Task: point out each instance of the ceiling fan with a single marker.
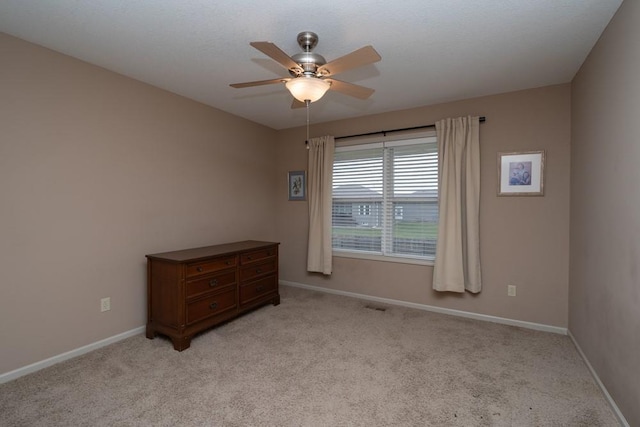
(311, 75)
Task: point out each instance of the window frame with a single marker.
(381, 141)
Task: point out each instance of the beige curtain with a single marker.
(457, 265)
(319, 189)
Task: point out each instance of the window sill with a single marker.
(375, 257)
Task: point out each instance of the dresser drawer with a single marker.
(257, 270)
(210, 283)
(255, 290)
(250, 257)
(210, 266)
(211, 306)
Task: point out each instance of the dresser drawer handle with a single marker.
(227, 262)
(258, 271)
(249, 258)
(259, 288)
(199, 269)
(213, 282)
(213, 305)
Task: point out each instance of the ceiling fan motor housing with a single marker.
(309, 62)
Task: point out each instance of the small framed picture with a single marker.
(521, 174)
(297, 185)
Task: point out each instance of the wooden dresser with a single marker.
(191, 290)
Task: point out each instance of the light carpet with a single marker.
(320, 360)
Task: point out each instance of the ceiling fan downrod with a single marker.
(309, 61)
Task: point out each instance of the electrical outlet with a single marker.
(511, 290)
(105, 304)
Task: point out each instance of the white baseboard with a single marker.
(612, 403)
(467, 314)
(68, 355)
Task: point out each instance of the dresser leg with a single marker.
(151, 333)
(181, 343)
(276, 300)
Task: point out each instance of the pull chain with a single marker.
(307, 102)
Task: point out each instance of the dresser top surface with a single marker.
(195, 254)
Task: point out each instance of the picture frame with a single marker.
(521, 173)
(297, 185)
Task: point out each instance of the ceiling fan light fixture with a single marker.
(307, 88)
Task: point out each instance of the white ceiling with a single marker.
(432, 51)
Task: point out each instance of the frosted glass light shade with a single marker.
(307, 88)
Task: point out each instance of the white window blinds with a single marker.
(385, 198)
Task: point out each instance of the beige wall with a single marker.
(97, 170)
(525, 240)
(604, 304)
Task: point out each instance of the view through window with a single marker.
(385, 198)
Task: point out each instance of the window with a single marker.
(385, 198)
(365, 209)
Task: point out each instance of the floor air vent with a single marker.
(371, 307)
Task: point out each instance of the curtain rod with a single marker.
(384, 132)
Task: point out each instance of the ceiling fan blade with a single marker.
(350, 89)
(358, 58)
(260, 82)
(297, 104)
(275, 53)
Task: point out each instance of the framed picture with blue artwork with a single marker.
(297, 185)
(521, 173)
